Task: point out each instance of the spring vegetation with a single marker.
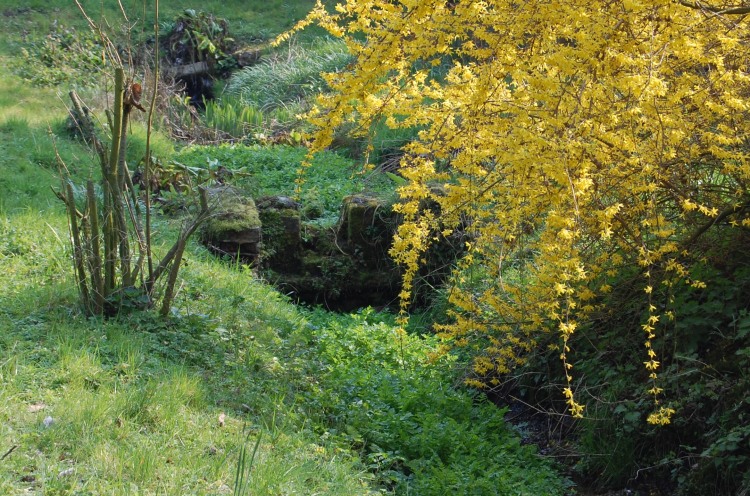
(593, 335)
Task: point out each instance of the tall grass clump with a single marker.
(287, 79)
(230, 116)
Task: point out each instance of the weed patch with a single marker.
(414, 431)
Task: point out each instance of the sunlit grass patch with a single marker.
(97, 409)
(22, 102)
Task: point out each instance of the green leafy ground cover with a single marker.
(238, 391)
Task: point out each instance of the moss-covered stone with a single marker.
(366, 226)
(280, 218)
(357, 213)
(233, 212)
(234, 229)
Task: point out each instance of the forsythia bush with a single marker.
(592, 136)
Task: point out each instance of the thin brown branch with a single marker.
(111, 48)
(173, 252)
(95, 259)
(169, 292)
(715, 220)
(147, 164)
(736, 10)
(78, 256)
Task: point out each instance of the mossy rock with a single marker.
(366, 226)
(357, 214)
(235, 228)
(280, 217)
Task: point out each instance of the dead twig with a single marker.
(7, 453)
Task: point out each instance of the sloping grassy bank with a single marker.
(336, 404)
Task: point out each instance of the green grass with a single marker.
(136, 401)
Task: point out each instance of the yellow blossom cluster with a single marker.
(591, 136)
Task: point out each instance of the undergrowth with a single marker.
(415, 431)
(706, 382)
(705, 379)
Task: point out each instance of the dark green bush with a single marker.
(705, 374)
